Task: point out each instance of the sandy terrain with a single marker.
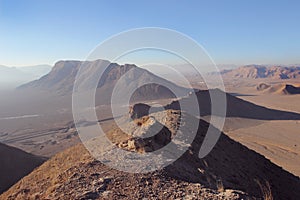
(280, 102)
(278, 140)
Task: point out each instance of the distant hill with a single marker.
(262, 71)
(14, 76)
(37, 71)
(284, 89)
(15, 164)
(61, 80)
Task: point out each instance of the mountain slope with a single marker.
(261, 71)
(230, 171)
(60, 78)
(15, 164)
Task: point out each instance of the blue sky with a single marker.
(233, 32)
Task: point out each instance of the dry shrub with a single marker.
(141, 121)
(220, 185)
(265, 190)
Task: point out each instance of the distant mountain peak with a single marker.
(14, 76)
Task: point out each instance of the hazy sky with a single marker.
(239, 32)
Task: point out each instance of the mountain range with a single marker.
(14, 76)
(261, 71)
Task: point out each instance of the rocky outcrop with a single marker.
(138, 110)
(148, 136)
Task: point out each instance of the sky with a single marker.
(232, 32)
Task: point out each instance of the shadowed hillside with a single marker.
(15, 164)
(236, 107)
